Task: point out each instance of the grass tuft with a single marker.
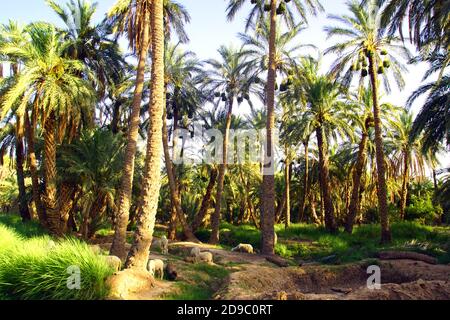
(37, 268)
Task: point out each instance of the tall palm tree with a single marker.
(230, 79)
(364, 120)
(365, 46)
(326, 116)
(133, 18)
(182, 97)
(49, 82)
(257, 17)
(408, 154)
(138, 255)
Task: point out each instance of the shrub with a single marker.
(422, 209)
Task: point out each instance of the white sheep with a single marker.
(206, 257)
(195, 252)
(242, 247)
(114, 262)
(161, 244)
(164, 245)
(156, 267)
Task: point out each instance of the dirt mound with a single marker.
(126, 283)
(417, 290)
(401, 279)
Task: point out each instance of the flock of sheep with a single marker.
(157, 268)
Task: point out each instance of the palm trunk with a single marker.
(381, 170)
(51, 205)
(305, 183)
(96, 210)
(32, 163)
(23, 204)
(139, 252)
(330, 223)
(173, 216)
(268, 186)
(314, 216)
(116, 116)
(357, 173)
(174, 194)
(405, 178)
(124, 200)
(280, 208)
(215, 221)
(65, 203)
(206, 202)
(287, 176)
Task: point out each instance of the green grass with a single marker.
(199, 282)
(363, 243)
(309, 242)
(32, 269)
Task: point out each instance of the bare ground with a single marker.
(252, 277)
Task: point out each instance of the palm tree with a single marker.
(408, 154)
(134, 15)
(257, 17)
(286, 51)
(94, 161)
(365, 46)
(50, 82)
(230, 79)
(364, 120)
(326, 116)
(428, 30)
(433, 119)
(90, 43)
(133, 18)
(138, 255)
(12, 32)
(182, 97)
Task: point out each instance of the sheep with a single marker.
(156, 267)
(171, 272)
(191, 259)
(206, 257)
(164, 245)
(195, 251)
(247, 248)
(114, 262)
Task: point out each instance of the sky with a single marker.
(209, 29)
